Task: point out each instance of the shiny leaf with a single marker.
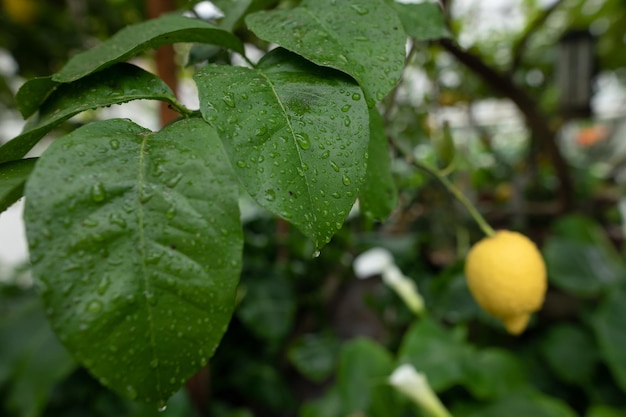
(13, 176)
(119, 84)
(140, 37)
(296, 135)
(363, 38)
(137, 240)
(379, 195)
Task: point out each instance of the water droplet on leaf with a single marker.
(97, 192)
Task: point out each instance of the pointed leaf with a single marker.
(32, 360)
(363, 38)
(608, 325)
(13, 176)
(364, 367)
(118, 84)
(32, 93)
(137, 240)
(422, 21)
(138, 38)
(296, 134)
(379, 195)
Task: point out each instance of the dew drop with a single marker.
(303, 140)
(346, 180)
(356, 97)
(360, 9)
(145, 194)
(171, 183)
(161, 408)
(336, 195)
(171, 212)
(270, 195)
(241, 163)
(229, 99)
(346, 108)
(97, 192)
(316, 254)
(262, 131)
(94, 307)
(325, 155)
(347, 121)
(334, 166)
(117, 220)
(103, 285)
(115, 144)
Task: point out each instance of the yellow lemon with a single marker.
(507, 276)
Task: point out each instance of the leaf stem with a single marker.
(181, 108)
(452, 189)
(478, 218)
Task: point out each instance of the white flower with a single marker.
(379, 261)
(414, 385)
(372, 262)
(405, 288)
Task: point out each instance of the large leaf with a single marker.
(379, 195)
(13, 176)
(32, 93)
(118, 84)
(362, 38)
(297, 136)
(268, 308)
(32, 360)
(135, 39)
(493, 373)
(364, 367)
(571, 353)
(579, 268)
(436, 352)
(608, 325)
(524, 405)
(422, 21)
(137, 240)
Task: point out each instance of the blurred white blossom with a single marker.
(414, 385)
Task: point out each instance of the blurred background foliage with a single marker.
(308, 338)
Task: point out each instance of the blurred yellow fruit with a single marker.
(20, 11)
(507, 276)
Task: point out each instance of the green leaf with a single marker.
(296, 135)
(140, 37)
(525, 405)
(13, 176)
(31, 357)
(364, 367)
(571, 353)
(118, 84)
(608, 325)
(438, 353)
(136, 239)
(327, 406)
(362, 38)
(604, 411)
(268, 307)
(379, 195)
(581, 269)
(422, 21)
(33, 93)
(314, 356)
(493, 373)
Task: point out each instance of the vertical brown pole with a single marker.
(166, 68)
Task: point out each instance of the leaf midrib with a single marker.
(293, 137)
(143, 256)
